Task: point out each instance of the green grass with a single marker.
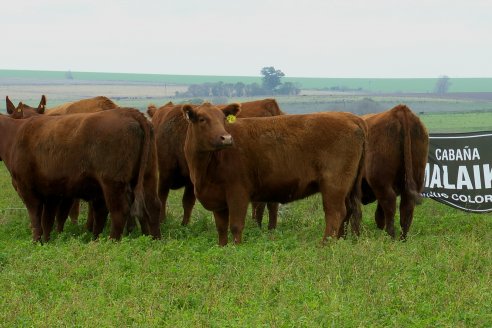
(458, 122)
(442, 276)
(367, 84)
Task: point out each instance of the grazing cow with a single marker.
(107, 158)
(395, 160)
(170, 128)
(275, 159)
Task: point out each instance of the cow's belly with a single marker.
(285, 191)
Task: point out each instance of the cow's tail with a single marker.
(354, 205)
(404, 115)
(138, 207)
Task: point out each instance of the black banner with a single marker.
(459, 170)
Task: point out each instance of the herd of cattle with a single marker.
(124, 164)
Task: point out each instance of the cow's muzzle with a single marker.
(224, 141)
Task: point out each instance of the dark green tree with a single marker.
(271, 78)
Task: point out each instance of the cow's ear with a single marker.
(10, 106)
(232, 109)
(42, 105)
(189, 113)
(151, 110)
(19, 111)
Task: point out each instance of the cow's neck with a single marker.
(199, 163)
(8, 134)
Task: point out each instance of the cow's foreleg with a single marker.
(188, 202)
(75, 211)
(257, 209)
(222, 225)
(64, 208)
(48, 217)
(238, 207)
(163, 195)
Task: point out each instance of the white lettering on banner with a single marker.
(466, 178)
(463, 178)
(447, 185)
(465, 154)
(477, 199)
(487, 175)
(436, 178)
(476, 174)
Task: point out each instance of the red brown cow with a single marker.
(275, 159)
(395, 161)
(108, 158)
(170, 128)
(24, 111)
(90, 105)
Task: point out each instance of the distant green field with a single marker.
(367, 84)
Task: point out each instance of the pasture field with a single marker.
(442, 276)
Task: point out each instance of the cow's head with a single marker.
(207, 125)
(24, 111)
(151, 109)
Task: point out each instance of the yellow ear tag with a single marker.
(19, 110)
(231, 118)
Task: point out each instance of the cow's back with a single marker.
(260, 108)
(282, 158)
(104, 145)
(90, 105)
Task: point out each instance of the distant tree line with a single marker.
(271, 85)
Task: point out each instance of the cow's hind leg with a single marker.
(118, 205)
(379, 217)
(188, 202)
(272, 215)
(387, 200)
(334, 208)
(35, 210)
(407, 205)
(153, 208)
(99, 216)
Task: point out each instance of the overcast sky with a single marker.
(310, 38)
